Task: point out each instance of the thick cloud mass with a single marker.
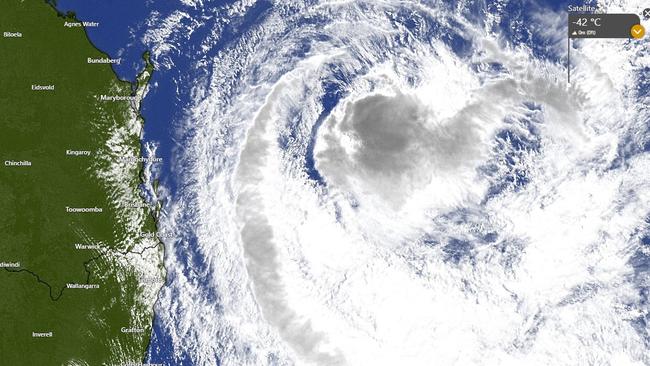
(391, 146)
(406, 183)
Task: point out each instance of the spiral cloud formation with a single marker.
(405, 183)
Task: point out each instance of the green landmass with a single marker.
(77, 288)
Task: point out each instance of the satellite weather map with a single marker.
(324, 183)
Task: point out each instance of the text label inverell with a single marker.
(42, 334)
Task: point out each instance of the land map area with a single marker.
(80, 263)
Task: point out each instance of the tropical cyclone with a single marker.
(407, 183)
(74, 258)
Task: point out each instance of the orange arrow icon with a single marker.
(637, 31)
